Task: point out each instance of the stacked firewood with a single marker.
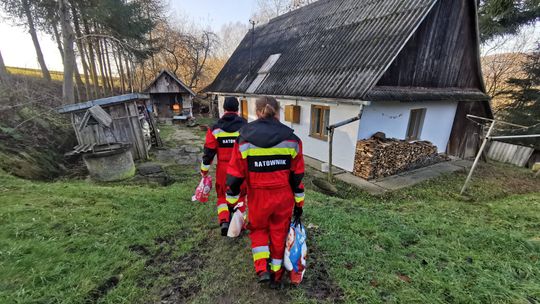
(379, 157)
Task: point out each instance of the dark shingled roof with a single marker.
(331, 48)
(382, 93)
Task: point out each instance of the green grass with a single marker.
(61, 241)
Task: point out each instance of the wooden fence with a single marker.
(508, 153)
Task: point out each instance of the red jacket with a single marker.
(266, 155)
(220, 140)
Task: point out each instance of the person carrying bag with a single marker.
(268, 158)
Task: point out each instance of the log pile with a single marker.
(379, 157)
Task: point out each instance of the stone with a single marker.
(191, 149)
(149, 168)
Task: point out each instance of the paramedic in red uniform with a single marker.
(220, 140)
(268, 157)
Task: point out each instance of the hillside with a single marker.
(497, 70)
(33, 137)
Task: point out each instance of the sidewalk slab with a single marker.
(412, 178)
(363, 184)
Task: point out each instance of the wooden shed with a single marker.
(131, 123)
(170, 98)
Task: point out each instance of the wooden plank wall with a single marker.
(511, 154)
(465, 138)
(442, 53)
(126, 127)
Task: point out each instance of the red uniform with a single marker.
(220, 140)
(268, 157)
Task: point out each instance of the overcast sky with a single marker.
(17, 48)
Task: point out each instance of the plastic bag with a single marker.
(203, 190)
(237, 222)
(296, 252)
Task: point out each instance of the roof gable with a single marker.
(443, 53)
(162, 84)
(331, 48)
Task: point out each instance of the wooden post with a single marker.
(330, 145)
(478, 156)
(331, 130)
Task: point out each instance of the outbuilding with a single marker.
(131, 123)
(413, 64)
(170, 98)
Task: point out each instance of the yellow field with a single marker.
(55, 75)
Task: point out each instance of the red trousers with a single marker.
(270, 212)
(221, 189)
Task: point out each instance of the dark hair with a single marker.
(231, 104)
(267, 106)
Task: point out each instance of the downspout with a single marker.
(331, 130)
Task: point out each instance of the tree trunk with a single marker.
(108, 57)
(121, 69)
(4, 76)
(69, 53)
(103, 77)
(143, 78)
(82, 53)
(128, 72)
(78, 80)
(32, 31)
(91, 60)
(58, 39)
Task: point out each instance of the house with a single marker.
(169, 97)
(414, 64)
(131, 123)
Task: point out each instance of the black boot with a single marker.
(224, 228)
(263, 277)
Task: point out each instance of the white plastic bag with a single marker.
(296, 252)
(237, 223)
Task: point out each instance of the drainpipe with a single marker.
(331, 130)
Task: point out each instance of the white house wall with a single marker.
(392, 118)
(344, 138)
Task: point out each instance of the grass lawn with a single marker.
(72, 241)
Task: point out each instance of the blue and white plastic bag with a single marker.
(296, 252)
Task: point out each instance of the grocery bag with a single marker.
(203, 190)
(237, 222)
(296, 252)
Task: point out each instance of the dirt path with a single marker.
(219, 269)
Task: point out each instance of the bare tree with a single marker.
(68, 38)
(269, 9)
(230, 36)
(502, 59)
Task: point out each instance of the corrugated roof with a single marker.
(102, 102)
(331, 48)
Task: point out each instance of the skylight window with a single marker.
(264, 71)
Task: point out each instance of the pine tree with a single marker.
(526, 108)
(502, 17)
